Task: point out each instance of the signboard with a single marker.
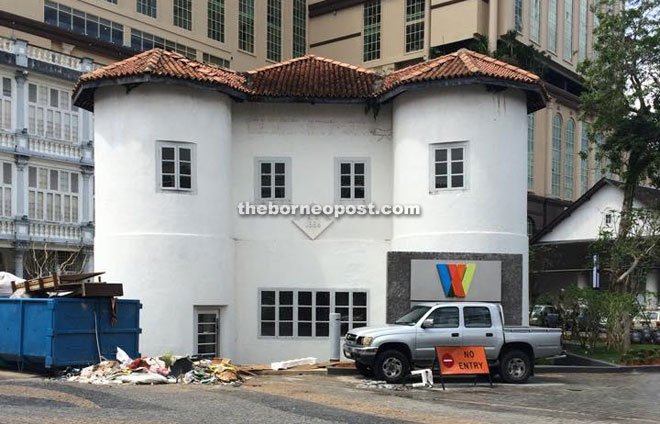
(454, 279)
(455, 360)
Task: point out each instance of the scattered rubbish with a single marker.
(6, 279)
(285, 365)
(149, 370)
(374, 384)
(427, 377)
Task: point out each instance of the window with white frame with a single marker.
(53, 194)
(273, 175)
(568, 30)
(448, 162)
(51, 114)
(215, 60)
(556, 154)
(207, 332)
(568, 159)
(552, 25)
(175, 165)
(414, 25)
(141, 41)
(274, 30)
(371, 30)
(582, 31)
(299, 27)
(6, 191)
(246, 25)
(518, 14)
(352, 179)
(216, 20)
(146, 7)
(535, 20)
(182, 14)
(5, 104)
(306, 313)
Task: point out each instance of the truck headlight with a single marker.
(366, 341)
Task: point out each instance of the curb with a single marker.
(612, 369)
(316, 371)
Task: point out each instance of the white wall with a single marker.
(587, 220)
(171, 250)
(489, 216)
(271, 252)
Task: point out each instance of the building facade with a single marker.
(47, 143)
(389, 34)
(260, 288)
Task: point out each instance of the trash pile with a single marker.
(167, 369)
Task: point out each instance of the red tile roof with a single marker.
(461, 64)
(312, 77)
(309, 77)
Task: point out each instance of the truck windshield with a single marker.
(413, 315)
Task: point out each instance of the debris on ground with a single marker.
(285, 365)
(374, 384)
(163, 370)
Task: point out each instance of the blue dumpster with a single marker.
(60, 332)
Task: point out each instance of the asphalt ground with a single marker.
(551, 398)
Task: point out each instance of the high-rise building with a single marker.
(46, 143)
(391, 34)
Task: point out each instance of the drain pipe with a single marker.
(493, 32)
(335, 336)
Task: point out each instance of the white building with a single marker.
(570, 235)
(179, 145)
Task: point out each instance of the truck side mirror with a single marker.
(428, 323)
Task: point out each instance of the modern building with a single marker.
(180, 145)
(565, 243)
(386, 35)
(46, 143)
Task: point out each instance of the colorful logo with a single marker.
(456, 278)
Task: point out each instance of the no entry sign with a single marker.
(462, 360)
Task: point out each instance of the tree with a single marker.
(621, 100)
(41, 261)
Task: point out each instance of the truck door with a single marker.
(479, 330)
(444, 332)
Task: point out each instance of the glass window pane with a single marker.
(476, 317)
(322, 329)
(457, 153)
(168, 153)
(268, 313)
(167, 167)
(323, 298)
(457, 181)
(168, 181)
(286, 329)
(359, 193)
(445, 317)
(53, 180)
(457, 167)
(359, 299)
(345, 168)
(322, 314)
(184, 154)
(441, 155)
(359, 314)
(304, 313)
(6, 173)
(304, 329)
(440, 182)
(341, 298)
(265, 192)
(286, 313)
(286, 298)
(441, 168)
(265, 168)
(185, 168)
(279, 167)
(267, 328)
(304, 298)
(359, 168)
(267, 297)
(185, 182)
(279, 192)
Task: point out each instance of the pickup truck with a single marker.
(390, 352)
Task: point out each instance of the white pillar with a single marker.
(652, 286)
(21, 77)
(87, 172)
(492, 25)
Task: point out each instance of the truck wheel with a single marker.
(515, 366)
(392, 366)
(364, 369)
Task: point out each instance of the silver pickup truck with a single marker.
(389, 352)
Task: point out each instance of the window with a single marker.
(51, 114)
(53, 195)
(445, 317)
(216, 20)
(414, 25)
(141, 41)
(531, 228)
(83, 23)
(5, 105)
(207, 332)
(274, 30)
(215, 61)
(147, 7)
(552, 25)
(476, 317)
(568, 30)
(299, 27)
(530, 151)
(556, 154)
(246, 25)
(5, 191)
(582, 31)
(608, 219)
(568, 159)
(273, 176)
(175, 161)
(352, 179)
(371, 30)
(306, 313)
(518, 13)
(535, 20)
(584, 161)
(182, 13)
(448, 164)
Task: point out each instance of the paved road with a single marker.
(585, 398)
